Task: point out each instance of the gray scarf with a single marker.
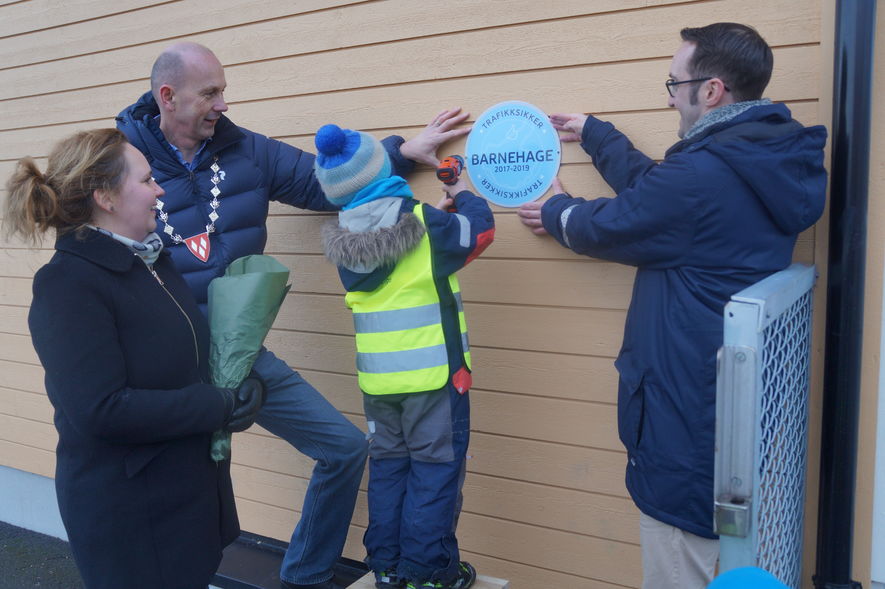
(147, 249)
(723, 114)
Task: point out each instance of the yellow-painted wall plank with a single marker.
(794, 70)
(36, 434)
(24, 377)
(17, 348)
(15, 291)
(27, 458)
(14, 319)
(532, 461)
(591, 514)
(27, 405)
(21, 18)
(270, 34)
(142, 31)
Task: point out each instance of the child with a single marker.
(397, 258)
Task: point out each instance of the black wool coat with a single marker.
(126, 366)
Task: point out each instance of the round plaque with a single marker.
(513, 153)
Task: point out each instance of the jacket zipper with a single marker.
(188, 319)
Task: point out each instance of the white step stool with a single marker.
(482, 582)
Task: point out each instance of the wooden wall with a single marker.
(545, 504)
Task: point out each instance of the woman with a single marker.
(125, 348)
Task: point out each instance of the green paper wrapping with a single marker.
(242, 307)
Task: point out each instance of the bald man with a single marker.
(219, 180)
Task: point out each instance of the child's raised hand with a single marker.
(445, 203)
(453, 189)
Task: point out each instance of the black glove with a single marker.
(243, 404)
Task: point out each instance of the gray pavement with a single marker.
(29, 559)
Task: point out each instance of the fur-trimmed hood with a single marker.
(372, 235)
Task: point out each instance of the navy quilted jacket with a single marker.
(719, 213)
(254, 170)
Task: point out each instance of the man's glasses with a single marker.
(669, 84)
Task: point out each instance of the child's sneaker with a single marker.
(388, 580)
(466, 577)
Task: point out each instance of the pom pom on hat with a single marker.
(330, 140)
(348, 161)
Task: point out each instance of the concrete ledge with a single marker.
(482, 582)
(28, 501)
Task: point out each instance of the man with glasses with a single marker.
(719, 213)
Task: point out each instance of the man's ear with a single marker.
(166, 96)
(104, 200)
(714, 93)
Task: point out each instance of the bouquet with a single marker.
(242, 307)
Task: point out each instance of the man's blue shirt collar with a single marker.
(191, 164)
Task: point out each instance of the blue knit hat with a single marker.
(348, 161)
(746, 578)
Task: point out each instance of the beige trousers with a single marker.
(673, 558)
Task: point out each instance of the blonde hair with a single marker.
(61, 198)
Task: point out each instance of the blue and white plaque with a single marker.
(513, 153)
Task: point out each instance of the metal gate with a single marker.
(762, 424)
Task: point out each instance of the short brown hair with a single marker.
(62, 197)
(734, 53)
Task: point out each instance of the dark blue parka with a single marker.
(126, 361)
(254, 170)
(721, 212)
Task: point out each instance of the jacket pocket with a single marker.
(631, 405)
(140, 457)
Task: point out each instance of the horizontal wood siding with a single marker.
(545, 503)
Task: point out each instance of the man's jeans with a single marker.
(297, 413)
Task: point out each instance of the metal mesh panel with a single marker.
(762, 424)
(782, 443)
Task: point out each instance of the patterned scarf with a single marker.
(722, 115)
(148, 249)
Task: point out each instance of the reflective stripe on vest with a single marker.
(462, 323)
(417, 359)
(400, 343)
(396, 319)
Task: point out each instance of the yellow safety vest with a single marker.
(400, 343)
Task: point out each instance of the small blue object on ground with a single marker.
(746, 578)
